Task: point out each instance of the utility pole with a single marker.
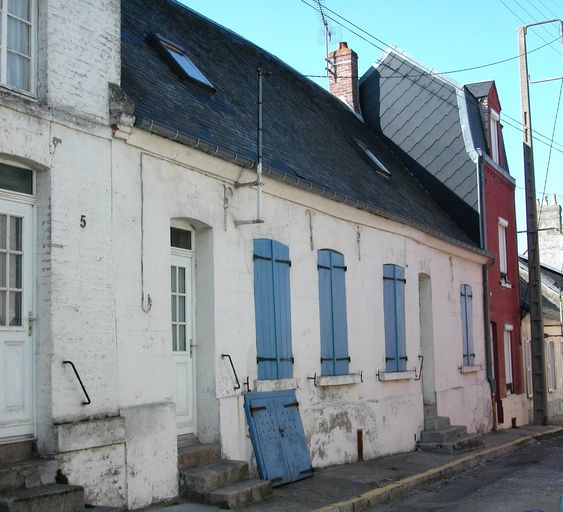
(534, 275)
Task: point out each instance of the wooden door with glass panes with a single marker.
(182, 316)
(16, 347)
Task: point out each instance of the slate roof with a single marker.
(308, 134)
(423, 116)
(552, 279)
(480, 89)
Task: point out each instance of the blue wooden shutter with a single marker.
(272, 309)
(333, 313)
(325, 309)
(394, 318)
(467, 324)
(339, 320)
(264, 310)
(282, 301)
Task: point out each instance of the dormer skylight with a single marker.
(376, 162)
(179, 59)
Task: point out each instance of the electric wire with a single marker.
(433, 73)
(525, 23)
(548, 9)
(551, 147)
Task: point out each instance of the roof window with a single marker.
(376, 163)
(177, 56)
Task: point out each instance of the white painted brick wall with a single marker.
(79, 41)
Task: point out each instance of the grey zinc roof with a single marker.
(423, 116)
(309, 136)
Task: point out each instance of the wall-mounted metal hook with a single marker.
(314, 379)
(419, 376)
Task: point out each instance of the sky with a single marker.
(444, 35)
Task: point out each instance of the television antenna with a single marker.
(328, 33)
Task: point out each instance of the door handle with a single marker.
(192, 345)
(30, 320)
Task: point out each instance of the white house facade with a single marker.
(128, 283)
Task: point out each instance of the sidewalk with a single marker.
(356, 486)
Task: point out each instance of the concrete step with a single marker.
(27, 474)
(240, 494)
(437, 423)
(16, 451)
(198, 455)
(430, 411)
(195, 483)
(444, 435)
(47, 498)
(461, 444)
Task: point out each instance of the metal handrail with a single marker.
(234, 371)
(88, 401)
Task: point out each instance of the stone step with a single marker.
(27, 474)
(16, 451)
(47, 498)
(461, 444)
(437, 423)
(240, 494)
(198, 455)
(95, 508)
(430, 411)
(195, 483)
(442, 436)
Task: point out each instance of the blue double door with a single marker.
(277, 436)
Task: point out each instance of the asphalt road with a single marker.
(530, 479)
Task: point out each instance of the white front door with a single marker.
(183, 343)
(16, 303)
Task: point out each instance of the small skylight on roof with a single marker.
(181, 62)
(376, 162)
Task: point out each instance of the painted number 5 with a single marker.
(83, 221)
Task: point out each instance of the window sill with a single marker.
(275, 385)
(505, 284)
(338, 380)
(396, 376)
(18, 92)
(473, 368)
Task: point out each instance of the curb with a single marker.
(401, 487)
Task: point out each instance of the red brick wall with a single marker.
(344, 83)
(504, 300)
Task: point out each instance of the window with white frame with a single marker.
(17, 44)
(502, 258)
(494, 123)
(508, 358)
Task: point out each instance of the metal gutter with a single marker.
(162, 130)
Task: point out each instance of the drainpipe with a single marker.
(486, 290)
(258, 183)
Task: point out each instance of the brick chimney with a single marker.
(343, 78)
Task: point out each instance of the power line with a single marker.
(551, 146)
(548, 9)
(525, 23)
(461, 70)
(436, 73)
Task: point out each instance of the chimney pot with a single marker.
(343, 45)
